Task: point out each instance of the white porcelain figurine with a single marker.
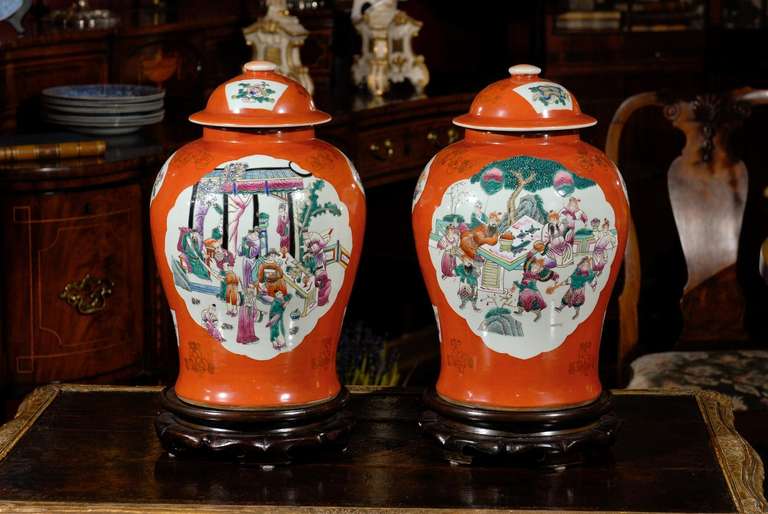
(387, 55)
(278, 38)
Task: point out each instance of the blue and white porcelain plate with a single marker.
(105, 121)
(88, 107)
(8, 8)
(115, 93)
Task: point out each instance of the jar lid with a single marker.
(260, 98)
(524, 102)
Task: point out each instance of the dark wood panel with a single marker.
(27, 78)
(59, 239)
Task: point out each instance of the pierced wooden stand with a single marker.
(268, 437)
(551, 438)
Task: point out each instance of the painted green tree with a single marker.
(522, 173)
(312, 208)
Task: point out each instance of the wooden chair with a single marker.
(707, 191)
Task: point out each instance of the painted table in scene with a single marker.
(77, 448)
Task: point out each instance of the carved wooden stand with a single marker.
(552, 438)
(268, 437)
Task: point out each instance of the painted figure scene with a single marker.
(261, 251)
(521, 248)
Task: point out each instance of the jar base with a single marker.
(547, 438)
(269, 437)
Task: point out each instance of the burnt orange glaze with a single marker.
(472, 373)
(304, 375)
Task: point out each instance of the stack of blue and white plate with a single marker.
(103, 109)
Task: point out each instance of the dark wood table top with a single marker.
(77, 448)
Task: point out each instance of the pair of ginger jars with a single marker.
(258, 228)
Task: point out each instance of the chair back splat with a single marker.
(708, 191)
(707, 187)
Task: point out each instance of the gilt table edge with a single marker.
(742, 468)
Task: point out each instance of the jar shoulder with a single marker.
(464, 159)
(494, 167)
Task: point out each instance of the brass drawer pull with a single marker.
(383, 151)
(451, 136)
(88, 295)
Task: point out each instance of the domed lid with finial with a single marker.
(524, 102)
(260, 98)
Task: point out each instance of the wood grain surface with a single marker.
(95, 448)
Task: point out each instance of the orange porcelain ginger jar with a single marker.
(520, 230)
(257, 229)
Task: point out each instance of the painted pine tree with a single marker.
(312, 208)
(521, 173)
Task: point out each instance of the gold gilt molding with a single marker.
(739, 462)
(38, 400)
(120, 508)
(742, 468)
(741, 465)
(29, 410)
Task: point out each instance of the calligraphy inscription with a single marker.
(197, 361)
(584, 363)
(457, 358)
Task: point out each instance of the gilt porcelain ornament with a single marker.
(387, 52)
(278, 37)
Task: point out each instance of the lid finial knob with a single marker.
(259, 66)
(524, 69)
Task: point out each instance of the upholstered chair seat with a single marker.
(740, 374)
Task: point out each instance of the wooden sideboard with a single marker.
(79, 300)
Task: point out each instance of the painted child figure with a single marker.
(468, 274)
(530, 298)
(581, 276)
(210, 321)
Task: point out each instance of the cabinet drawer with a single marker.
(74, 304)
(409, 147)
(380, 151)
(428, 138)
